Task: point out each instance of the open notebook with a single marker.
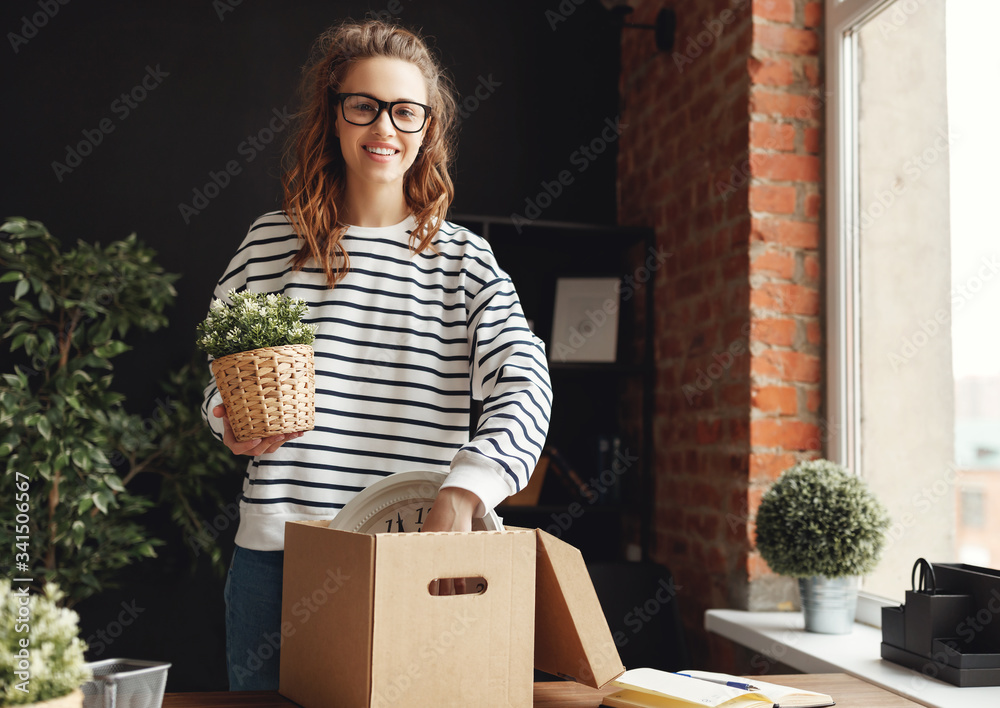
(651, 688)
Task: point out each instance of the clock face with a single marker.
(400, 504)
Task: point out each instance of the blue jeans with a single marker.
(253, 619)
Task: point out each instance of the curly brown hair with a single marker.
(314, 177)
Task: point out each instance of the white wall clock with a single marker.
(400, 503)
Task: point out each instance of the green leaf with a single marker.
(22, 288)
(45, 428)
(81, 459)
(10, 276)
(112, 348)
(45, 301)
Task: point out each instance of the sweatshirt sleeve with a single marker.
(510, 375)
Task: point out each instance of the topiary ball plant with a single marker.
(820, 520)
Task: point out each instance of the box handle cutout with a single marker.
(472, 586)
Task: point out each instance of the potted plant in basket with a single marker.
(41, 654)
(821, 524)
(263, 362)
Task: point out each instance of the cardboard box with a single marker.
(360, 628)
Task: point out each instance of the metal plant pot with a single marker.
(829, 604)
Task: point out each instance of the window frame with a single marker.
(843, 19)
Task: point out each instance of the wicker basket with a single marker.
(268, 391)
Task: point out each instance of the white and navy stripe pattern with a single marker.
(404, 342)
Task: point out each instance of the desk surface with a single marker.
(847, 691)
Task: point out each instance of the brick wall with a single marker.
(720, 153)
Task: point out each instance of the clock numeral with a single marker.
(388, 524)
(399, 522)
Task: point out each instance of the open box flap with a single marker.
(572, 637)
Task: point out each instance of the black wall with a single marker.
(216, 73)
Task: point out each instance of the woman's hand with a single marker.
(259, 446)
(452, 511)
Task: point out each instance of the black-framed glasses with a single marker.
(406, 116)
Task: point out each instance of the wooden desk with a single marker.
(847, 691)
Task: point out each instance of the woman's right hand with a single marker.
(258, 446)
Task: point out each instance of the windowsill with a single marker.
(780, 637)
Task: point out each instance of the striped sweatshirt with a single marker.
(404, 342)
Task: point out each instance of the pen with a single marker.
(731, 684)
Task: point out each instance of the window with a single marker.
(914, 374)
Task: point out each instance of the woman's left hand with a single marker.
(452, 511)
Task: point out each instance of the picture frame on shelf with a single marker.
(585, 320)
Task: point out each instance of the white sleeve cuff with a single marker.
(480, 478)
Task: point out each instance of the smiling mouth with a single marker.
(381, 151)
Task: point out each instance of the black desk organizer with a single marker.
(949, 627)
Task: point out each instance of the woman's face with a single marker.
(387, 80)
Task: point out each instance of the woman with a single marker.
(414, 319)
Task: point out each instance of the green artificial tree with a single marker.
(69, 449)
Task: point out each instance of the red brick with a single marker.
(792, 168)
(708, 431)
(734, 395)
(772, 136)
(811, 267)
(765, 466)
(814, 335)
(776, 332)
(787, 105)
(814, 14)
(775, 262)
(775, 399)
(810, 140)
(788, 40)
(813, 400)
(786, 298)
(800, 234)
(774, 10)
(786, 366)
(770, 72)
(772, 199)
(812, 72)
(784, 434)
(813, 205)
